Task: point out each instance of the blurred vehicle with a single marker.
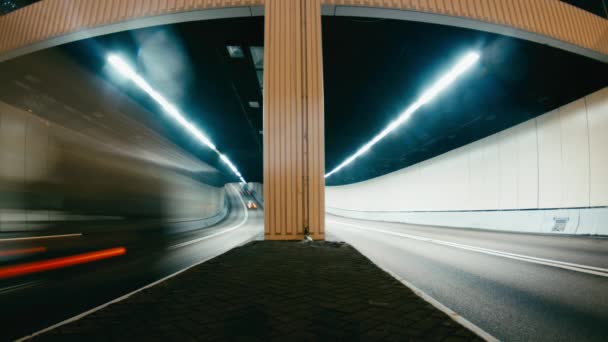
(76, 177)
(251, 205)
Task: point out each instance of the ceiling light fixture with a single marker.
(458, 69)
(126, 70)
(235, 51)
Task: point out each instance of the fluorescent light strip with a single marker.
(125, 69)
(463, 65)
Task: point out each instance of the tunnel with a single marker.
(303, 170)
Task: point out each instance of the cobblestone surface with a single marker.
(272, 291)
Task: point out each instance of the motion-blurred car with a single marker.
(251, 205)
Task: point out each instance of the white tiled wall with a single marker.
(557, 160)
(575, 155)
(549, 160)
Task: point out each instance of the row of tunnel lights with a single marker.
(126, 70)
(465, 63)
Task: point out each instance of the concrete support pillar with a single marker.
(294, 145)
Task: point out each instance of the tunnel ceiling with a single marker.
(188, 63)
(373, 69)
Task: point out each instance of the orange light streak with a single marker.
(51, 264)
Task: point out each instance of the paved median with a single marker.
(272, 290)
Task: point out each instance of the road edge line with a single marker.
(435, 303)
(123, 297)
(526, 258)
(113, 301)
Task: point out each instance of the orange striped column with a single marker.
(294, 155)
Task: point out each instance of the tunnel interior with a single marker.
(375, 68)
(467, 167)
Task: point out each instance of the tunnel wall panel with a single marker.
(597, 107)
(575, 155)
(527, 165)
(481, 167)
(507, 152)
(555, 161)
(550, 160)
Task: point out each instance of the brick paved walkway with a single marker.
(272, 291)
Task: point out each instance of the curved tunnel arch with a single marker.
(49, 22)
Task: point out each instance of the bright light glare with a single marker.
(126, 70)
(463, 65)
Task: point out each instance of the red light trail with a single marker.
(51, 264)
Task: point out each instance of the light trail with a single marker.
(458, 69)
(127, 71)
(52, 264)
(41, 237)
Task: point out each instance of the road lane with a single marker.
(509, 298)
(44, 299)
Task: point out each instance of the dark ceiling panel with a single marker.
(375, 68)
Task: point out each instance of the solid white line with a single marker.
(19, 286)
(41, 237)
(217, 233)
(97, 308)
(602, 272)
(562, 264)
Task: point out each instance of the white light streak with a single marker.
(463, 65)
(126, 70)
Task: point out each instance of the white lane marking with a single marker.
(602, 272)
(41, 237)
(217, 233)
(567, 265)
(97, 308)
(19, 286)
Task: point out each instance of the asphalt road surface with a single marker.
(513, 286)
(32, 302)
(516, 287)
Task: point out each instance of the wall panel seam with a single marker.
(588, 153)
